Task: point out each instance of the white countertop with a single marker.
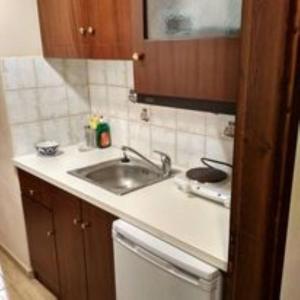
(190, 223)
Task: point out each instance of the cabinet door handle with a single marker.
(90, 30)
(138, 56)
(77, 221)
(82, 30)
(85, 225)
(31, 193)
(50, 233)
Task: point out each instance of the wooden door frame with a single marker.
(264, 149)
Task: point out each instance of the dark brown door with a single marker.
(70, 250)
(169, 62)
(265, 147)
(99, 253)
(64, 28)
(40, 232)
(110, 29)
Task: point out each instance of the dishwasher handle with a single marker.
(157, 261)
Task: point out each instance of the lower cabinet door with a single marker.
(40, 231)
(70, 246)
(99, 253)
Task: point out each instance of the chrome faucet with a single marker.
(166, 167)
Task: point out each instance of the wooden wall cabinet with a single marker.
(182, 66)
(86, 28)
(110, 22)
(70, 242)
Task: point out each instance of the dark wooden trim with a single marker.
(264, 149)
(191, 104)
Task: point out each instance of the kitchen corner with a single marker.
(194, 225)
(148, 149)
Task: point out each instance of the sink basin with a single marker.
(121, 177)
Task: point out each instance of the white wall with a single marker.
(19, 28)
(291, 274)
(19, 36)
(12, 229)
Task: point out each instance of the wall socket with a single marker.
(145, 115)
(229, 130)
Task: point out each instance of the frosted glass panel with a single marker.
(175, 19)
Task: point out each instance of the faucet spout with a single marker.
(166, 160)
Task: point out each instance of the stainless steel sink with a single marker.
(121, 177)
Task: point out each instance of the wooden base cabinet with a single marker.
(41, 239)
(70, 243)
(70, 248)
(99, 253)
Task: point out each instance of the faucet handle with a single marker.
(166, 161)
(125, 158)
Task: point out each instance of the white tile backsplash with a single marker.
(162, 116)
(140, 137)
(49, 72)
(116, 73)
(135, 111)
(79, 102)
(51, 99)
(191, 121)
(77, 123)
(76, 71)
(99, 99)
(22, 106)
(58, 130)
(118, 101)
(26, 73)
(219, 149)
(97, 72)
(163, 139)
(181, 133)
(119, 132)
(190, 148)
(37, 101)
(9, 74)
(53, 102)
(25, 137)
(130, 76)
(18, 73)
(216, 124)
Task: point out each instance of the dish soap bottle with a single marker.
(103, 135)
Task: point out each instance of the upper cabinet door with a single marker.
(64, 28)
(187, 48)
(110, 28)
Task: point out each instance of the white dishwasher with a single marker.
(147, 268)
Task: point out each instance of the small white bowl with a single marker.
(47, 148)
